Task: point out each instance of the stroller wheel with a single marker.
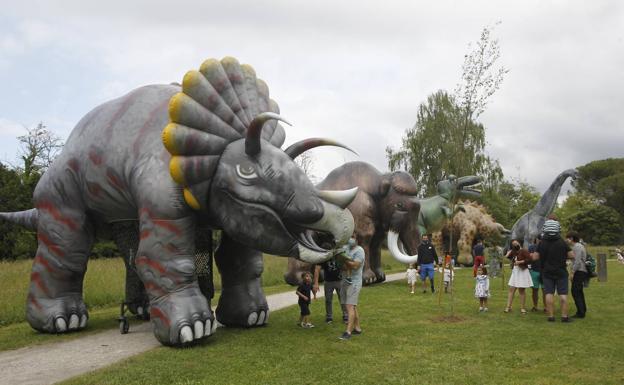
(124, 325)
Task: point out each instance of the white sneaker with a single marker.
(485, 309)
(480, 308)
(309, 326)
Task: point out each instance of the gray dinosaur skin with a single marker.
(383, 201)
(529, 225)
(114, 167)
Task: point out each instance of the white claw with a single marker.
(253, 317)
(199, 329)
(83, 321)
(73, 322)
(186, 334)
(208, 328)
(140, 310)
(261, 318)
(61, 325)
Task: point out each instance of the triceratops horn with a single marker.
(296, 149)
(252, 142)
(341, 198)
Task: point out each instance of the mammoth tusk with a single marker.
(393, 246)
(296, 149)
(252, 141)
(341, 198)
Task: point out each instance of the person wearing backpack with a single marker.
(579, 273)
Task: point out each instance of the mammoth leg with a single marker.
(55, 303)
(294, 270)
(165, 262)
(364, 240)
(242, 301)
(375, 259)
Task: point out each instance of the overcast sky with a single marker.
(354, 71)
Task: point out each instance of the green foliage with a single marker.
(105, 249)
(15, 195)
(509, 201)
(603, 179)
(440, 144)
(595, 222)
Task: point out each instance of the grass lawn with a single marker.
(103, 290)
(407, 339)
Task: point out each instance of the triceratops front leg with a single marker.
(165, 263)
(242, 301)
(65, 237)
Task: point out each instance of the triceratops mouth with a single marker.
(314, 239)
(469, 184)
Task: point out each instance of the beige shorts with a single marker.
(349, 294)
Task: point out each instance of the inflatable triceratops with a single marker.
(173, 158)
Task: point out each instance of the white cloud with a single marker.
(350, 70)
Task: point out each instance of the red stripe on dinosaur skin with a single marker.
(34, 301)
(39, 260)
(94, 189)
(153, 287)
(36, 278)
(52, 210)
(157, 313)
(168, 225)
(128, 100)
(95, 158)
(51, 246)
(114, 179)
(74, 164)
(145, 234)
(150, 120)
(170, 247)
(143, 260)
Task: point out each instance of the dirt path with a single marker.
(50, 363)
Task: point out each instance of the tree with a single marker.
(509, 201)
(38, 148)
(447, 139)
(595, 222)
(305, 161)
(604, 180)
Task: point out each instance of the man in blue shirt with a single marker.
(351, 286)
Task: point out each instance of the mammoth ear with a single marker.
(385, 185)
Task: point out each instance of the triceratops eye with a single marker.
(246, 171)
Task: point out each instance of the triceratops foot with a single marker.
(182, 317)
(57, 315)
(237, 307)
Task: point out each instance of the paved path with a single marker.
(50, 363)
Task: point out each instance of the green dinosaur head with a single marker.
(454, 188)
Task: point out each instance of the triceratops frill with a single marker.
(221, 166)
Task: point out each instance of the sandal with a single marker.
(523, 311)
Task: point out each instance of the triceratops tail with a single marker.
(26, 218)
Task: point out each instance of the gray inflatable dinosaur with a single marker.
(217, 163)
(529, 225)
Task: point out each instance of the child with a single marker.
(303, 291)
(448, 277)
(411, 276)
(482, 287)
